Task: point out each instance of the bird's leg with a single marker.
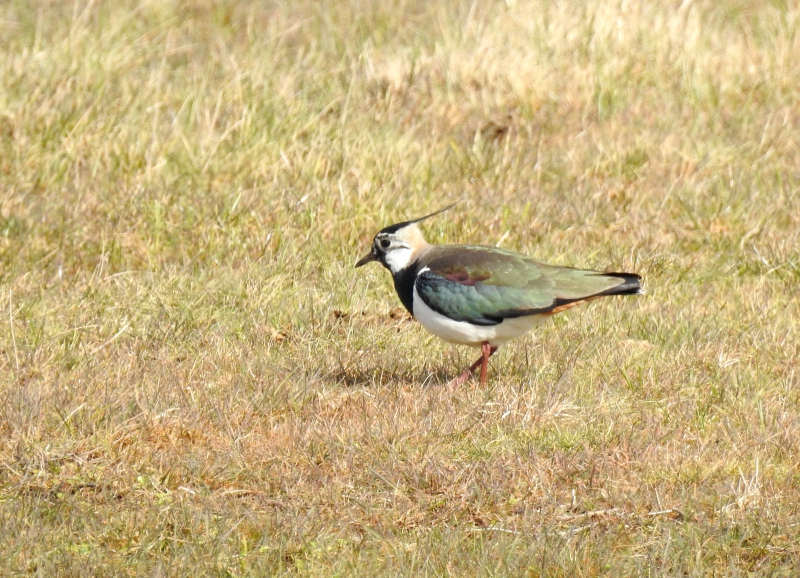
(483, 362)
(487, 351)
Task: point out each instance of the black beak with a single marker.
(366, 259)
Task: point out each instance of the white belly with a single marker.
(465, 333)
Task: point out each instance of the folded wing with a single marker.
(485, 285)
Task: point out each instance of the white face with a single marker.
(397, 258)
(394, 252)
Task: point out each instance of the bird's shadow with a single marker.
(378, 377)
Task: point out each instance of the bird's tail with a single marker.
(632, 284)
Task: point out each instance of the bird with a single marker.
(483, 296)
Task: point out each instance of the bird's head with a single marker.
(396, 246)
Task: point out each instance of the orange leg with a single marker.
(483, 362)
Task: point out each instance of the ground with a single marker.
(194, 380)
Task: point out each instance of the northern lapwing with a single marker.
(483, 296)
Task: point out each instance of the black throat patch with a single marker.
(404, 285)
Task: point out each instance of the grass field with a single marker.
(195, 381)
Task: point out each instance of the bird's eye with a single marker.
(385, 243)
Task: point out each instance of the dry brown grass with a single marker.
(194, 380)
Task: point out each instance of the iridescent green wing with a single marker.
(484, 285)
